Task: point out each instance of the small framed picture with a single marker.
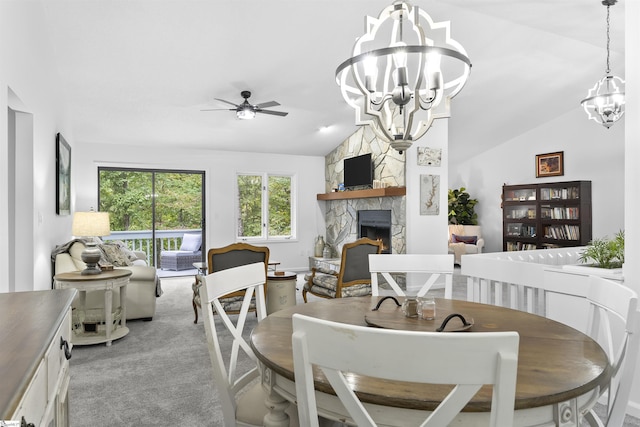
(63, 176)
(550, 164)
(428, 156)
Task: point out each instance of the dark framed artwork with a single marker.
(550, 164)
(63, 176)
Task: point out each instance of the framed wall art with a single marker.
(550, 164)
(429, 194)
(428, 156)
(63, 176)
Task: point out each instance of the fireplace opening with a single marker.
(376, 225)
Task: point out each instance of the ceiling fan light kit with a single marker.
(403, 74)
(246, 110)
(605, 101)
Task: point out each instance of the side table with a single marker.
(281, 290)
(106, 281)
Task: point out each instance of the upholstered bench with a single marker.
(179, 260)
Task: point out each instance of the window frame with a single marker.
(264, 235)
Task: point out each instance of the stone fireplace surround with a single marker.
(341, 216)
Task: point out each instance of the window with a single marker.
(151, 209)
(265, 207)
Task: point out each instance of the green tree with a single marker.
(279, 206)
(250, 205)
(128, 196)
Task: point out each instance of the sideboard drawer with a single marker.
(34, 402)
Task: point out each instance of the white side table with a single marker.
(106, 281)
(281, 290)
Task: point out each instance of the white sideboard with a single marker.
(34, 361)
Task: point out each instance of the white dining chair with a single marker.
(433, 267)
(467, 360)
(241, 393)
(614, 322)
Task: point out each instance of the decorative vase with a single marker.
(319, 246)
(326, 253)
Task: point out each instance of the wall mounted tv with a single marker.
(358, 171)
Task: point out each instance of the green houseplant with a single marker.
(462, 207)
(605, 252)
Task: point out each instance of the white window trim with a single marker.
(264, 237)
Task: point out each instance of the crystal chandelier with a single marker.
(605, 101)
(403, 73)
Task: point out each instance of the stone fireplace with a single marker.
(341, 216)
(376, 225)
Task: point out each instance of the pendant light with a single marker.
(403, 73)
(604, 103)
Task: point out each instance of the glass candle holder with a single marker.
(410, 307)
(427, 308)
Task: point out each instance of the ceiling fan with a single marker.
(246, 111)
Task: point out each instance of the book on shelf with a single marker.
(560, 193)
(520, 246)
(548, 212)
(562, 232)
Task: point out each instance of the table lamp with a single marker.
(89, 225)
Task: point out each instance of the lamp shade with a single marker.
(90, 224)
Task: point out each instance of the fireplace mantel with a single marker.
(362, 194)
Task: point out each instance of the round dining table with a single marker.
(561, 371)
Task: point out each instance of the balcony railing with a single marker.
(514, 279)
(142, 240)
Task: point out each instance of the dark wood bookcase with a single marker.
(546, 215)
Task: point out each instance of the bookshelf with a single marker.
(546, 215)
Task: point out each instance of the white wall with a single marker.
(632, 171)
(591, 152)
(220, 170)
(28, 84)
(427, 234)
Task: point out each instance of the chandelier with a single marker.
(605, 101)
(403, 73)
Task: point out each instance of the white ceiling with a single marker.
(138, 72)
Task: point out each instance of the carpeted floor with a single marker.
(159, 374)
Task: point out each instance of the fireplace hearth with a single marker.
(376, 225)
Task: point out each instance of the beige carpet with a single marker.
(159, 374)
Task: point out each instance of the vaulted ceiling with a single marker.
(139, 72)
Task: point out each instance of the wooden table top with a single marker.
(556, 362)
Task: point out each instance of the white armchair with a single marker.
(465, 239)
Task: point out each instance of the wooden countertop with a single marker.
(29, 321)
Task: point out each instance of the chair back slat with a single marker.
(494, 361)
(250, 279)
(431, 266)
(614, 322)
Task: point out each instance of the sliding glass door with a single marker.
(151, 210)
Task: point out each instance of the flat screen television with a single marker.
(358, 171)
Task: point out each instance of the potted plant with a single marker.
(462, 207)
(604, 252)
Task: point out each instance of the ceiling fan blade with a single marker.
(219, 109)
(274, 113)
(227, 102)
(267, 104)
